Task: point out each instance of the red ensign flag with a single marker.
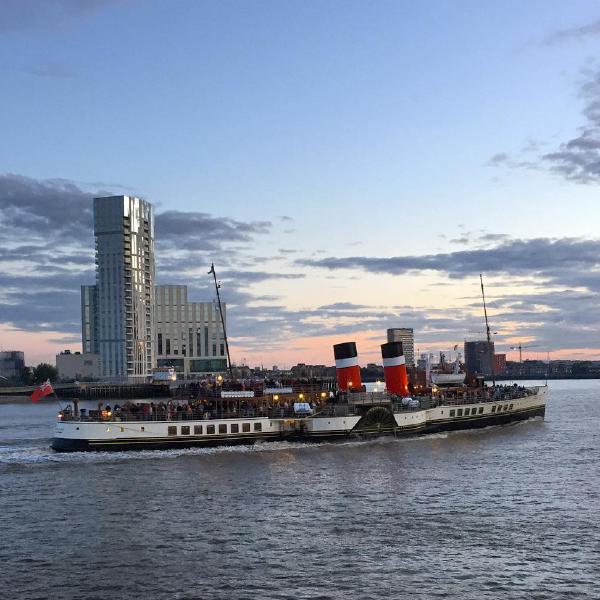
(44, 390)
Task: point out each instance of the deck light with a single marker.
(276, 397)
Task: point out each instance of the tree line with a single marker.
(33, 375)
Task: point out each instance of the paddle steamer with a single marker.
(300, 412)
(218, 416)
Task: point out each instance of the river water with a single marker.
(504, 512)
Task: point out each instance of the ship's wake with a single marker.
(38, 452)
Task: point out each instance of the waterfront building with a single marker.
(479, 358)
(77, 366)
(304, 371)
(405, 335)
(499, 364)
(119, 324)
(12, 363)
(189, 335)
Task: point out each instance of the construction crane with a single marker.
(520, 349)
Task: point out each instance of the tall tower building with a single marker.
(479, 358)
(124, 232)
(405, 335)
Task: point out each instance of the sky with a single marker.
(348, 166)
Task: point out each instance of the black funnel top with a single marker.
(391, 350)
(345, 350)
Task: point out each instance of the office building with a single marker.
(479, 358)
(123, 301)
(405, 335)
(189, 335)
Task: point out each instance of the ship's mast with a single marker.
(217, 286)
(487, 329)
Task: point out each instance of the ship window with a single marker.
(197, 429)
(480, 411)
(506, 407)
(494, 408)
(459, 412)
(172, 430)
(142, 428)
(210, 429)
(510, 407)
(223, 428)
(452, 412)
(257, 426)
(235, 428)
(185, 430)
(245, 427)
(122, 429)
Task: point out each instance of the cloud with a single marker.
(247, 277)
(337, 306)
(51, 70)
(573, 33)
(538, 256)
(578, 158)
(202, 231)
(19, 15)
(499, 158)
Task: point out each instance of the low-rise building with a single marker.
(189, 335)
(75, 366)
(12, 363)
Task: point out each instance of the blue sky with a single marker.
(382, 129)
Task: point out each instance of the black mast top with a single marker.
(487, 329)
(217, 286)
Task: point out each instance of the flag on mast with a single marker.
(212, 268)
(44, 390)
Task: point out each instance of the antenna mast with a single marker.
(487, 329)
(217, 286)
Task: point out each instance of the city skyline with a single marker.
(348, 168)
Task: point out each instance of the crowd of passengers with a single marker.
(487, 393)
(212, 387)
(192, 410)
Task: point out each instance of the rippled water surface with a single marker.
(504, 512)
